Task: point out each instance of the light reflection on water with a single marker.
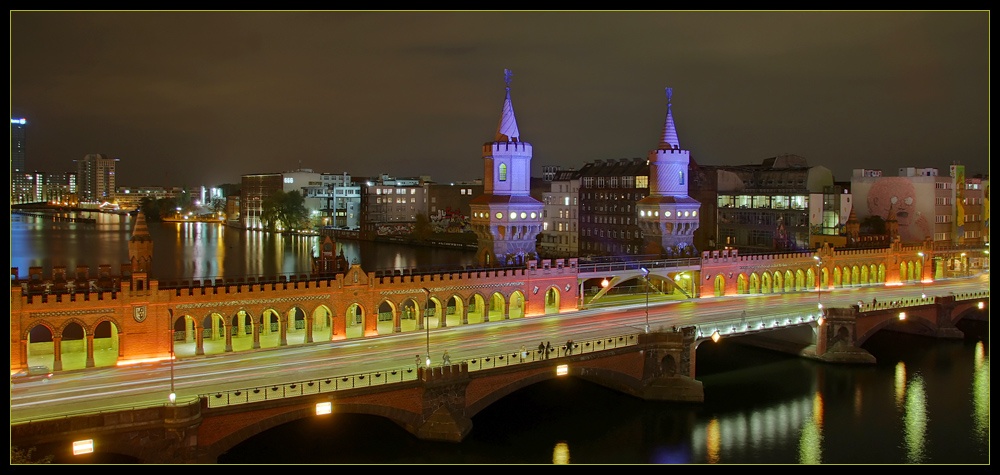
(198, 251)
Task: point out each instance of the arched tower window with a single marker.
(503, 172)
(681, 177)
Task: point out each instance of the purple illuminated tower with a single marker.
(506, 218)
(668, 217)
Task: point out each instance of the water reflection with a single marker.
(915, 420)
(900, 383)
(560, 454)
(811, 440)
(981, 395)
(199, 251)
(790, 423)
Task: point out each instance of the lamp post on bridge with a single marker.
(819, 283)
(427, 325)
(645, 277)
(923, 294)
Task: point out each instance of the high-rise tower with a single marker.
(506, 218)
(22, 183)
(668, 217)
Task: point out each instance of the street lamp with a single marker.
(172, 397)
(923, 294)
(819, 283)
(645, 277)
(427, 326)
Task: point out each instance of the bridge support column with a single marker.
(443, 400)
(89, 341)
(836, 337)
(668, 367)
(945, 325)
(56, 353)
(199, 341)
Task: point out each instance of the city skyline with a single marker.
(192, 98)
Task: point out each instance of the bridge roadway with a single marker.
(116, 388)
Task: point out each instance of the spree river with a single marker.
(925, 401)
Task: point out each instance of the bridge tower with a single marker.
(668, 217)
(506, 219)
(140, 253)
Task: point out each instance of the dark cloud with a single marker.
(204, 97)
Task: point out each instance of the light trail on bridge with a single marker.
(106, 388)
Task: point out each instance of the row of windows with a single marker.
(639, 181)
(611, 233)
(601, 219)
(399, 191)
(397, 200)
(612, 247)
(764, 201)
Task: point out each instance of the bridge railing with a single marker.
(752, 324)
(378, 378)
(589, 267)
(538, 354)
(303, 388)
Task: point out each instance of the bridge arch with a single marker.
(388, 318)
(497, 308)
(917, 323)
(478, 311)
(321, 327)
(454, 311)
(518, 306)
(552, 296)
(39, 344)
(742, 285)
(355, 315)
(720, 285)
(756, 284)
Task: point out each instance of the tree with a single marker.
(422, 228)
(20, 456)
(286, 210)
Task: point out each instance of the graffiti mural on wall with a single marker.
(909, 208)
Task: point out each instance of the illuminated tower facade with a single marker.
(668, 217)
(506, 218)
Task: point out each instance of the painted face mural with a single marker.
(898, 194)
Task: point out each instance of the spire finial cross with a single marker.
(507, 75)
(670, 92)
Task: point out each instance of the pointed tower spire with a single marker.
(507, 129)
(669, 140)
(140, 232)
(140, 248)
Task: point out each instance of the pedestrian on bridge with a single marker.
(524, 353)
(541, 349)
(418, 361)
(569, 347)
(446, 358)
(548, 349)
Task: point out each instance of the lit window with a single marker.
(503, 172)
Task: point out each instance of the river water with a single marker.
(925, 401)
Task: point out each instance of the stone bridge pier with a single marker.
(443, 404)
(836, 339)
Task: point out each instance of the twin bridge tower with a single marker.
(507, 220)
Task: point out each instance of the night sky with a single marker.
(200, 98)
